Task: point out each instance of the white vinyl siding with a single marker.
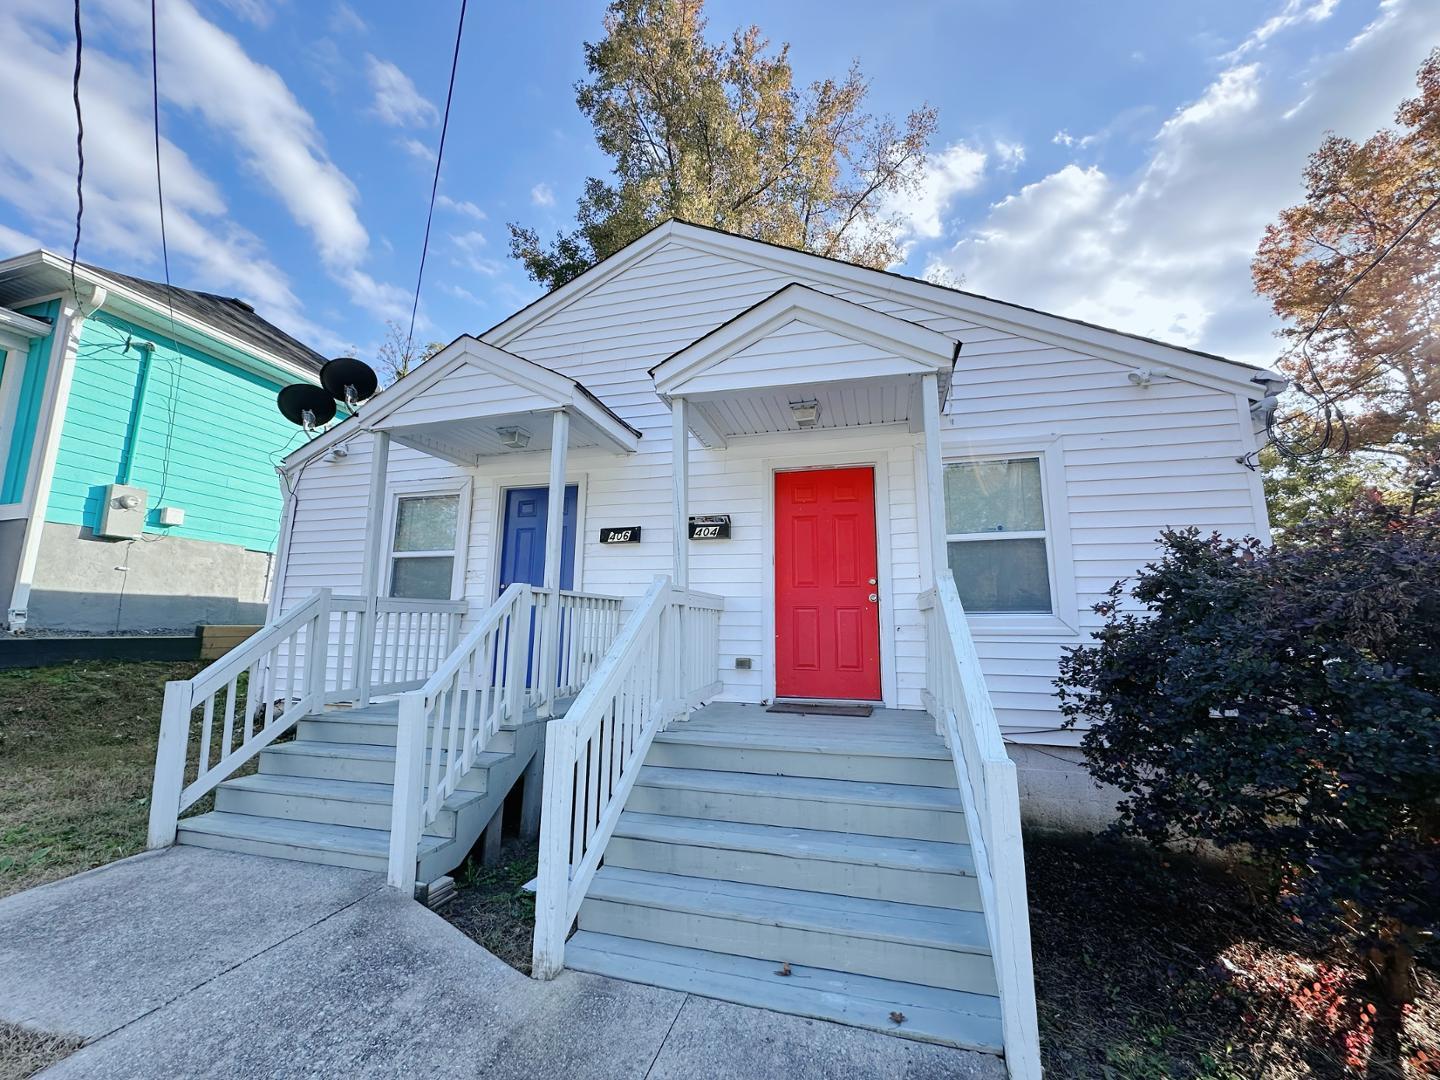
(1121, 463)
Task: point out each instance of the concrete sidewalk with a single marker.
(195, 963)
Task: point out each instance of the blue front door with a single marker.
(522, 543)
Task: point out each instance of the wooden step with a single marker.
(774, 751)
(941, 947)
(356, 761)
(952, 1017)
(376, 729)
(303, 841)
(902, 810)
(926, 872)
(327, 802)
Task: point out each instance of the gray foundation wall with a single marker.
(1057, 791)
(86, 584)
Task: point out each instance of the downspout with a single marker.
(137, 410)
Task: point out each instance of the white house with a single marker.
(707, 476)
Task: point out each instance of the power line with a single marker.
(435, 183)
(79, 154)
(173, 405)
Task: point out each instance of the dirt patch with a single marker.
(1151, 966)
(77, 753)
(493, 909)
(24, 1052)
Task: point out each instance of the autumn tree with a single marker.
(399, 354)
(1354, 270)
(719, 134)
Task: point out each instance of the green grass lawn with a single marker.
(77, 750)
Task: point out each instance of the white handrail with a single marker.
(488, 679)
(284, 671)
(957, 696)
(593, 754)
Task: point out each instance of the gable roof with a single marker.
(228, 313)
(227, 319)
(918, 344)
(1021, 320)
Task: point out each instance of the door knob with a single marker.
(873, 581)
(874, 597)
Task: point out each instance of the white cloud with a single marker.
(954, 170)
(460, 206)
(471, 247)
(1294, 13)
(37, 166)
(1166, 252)
(240, 103)
(542, 195)
(417, 150)
(259, 12)
(396, 101)
(15, 242)
(1010, 155)
(344, 20)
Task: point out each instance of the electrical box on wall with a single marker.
(122, 516)
(170, 515)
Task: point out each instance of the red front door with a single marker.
(827, 621)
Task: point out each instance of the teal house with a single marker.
(138, 445)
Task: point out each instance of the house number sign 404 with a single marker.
(710, 527)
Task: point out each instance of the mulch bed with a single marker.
(1147, 967)
(1168, 966)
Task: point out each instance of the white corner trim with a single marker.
(49, 425)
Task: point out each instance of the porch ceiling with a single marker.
(860, 366)
(467, 440)
(462, 404)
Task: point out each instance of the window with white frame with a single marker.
(425, 546)
(996, 535)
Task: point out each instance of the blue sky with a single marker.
(1113, 161)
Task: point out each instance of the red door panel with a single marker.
(827, 629)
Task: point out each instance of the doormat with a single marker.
(809, 708)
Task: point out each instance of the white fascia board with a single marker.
(928, 349)
(539, 310)
(17, 330)
(562, 392)
(1039, 326)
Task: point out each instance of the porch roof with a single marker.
(464, 402)
(858, 365)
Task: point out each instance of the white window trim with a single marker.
(462, 489)
(1063, 619)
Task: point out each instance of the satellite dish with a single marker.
(349, 380)
(306, 405)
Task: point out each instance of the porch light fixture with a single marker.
(806, 413)
(514, 438)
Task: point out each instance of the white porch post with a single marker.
(554, 552)
(371, 571)
(680, 472)
(934, 475)
(680, 468)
